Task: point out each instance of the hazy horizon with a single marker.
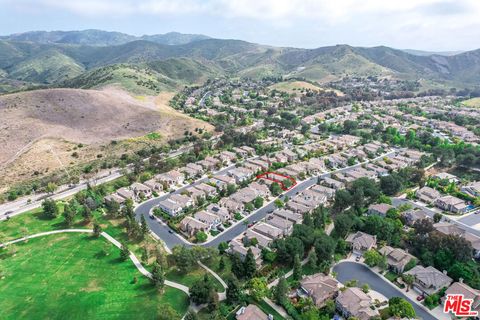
(427, 25)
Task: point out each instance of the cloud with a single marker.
(299, 22)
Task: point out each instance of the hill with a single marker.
(41, 129)
(94, 37)
(169, 65)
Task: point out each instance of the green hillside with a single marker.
(133, 78)
(161, 66)
(47, 67)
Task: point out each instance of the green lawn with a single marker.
(69, 276)
(391, 276)
(191, 277)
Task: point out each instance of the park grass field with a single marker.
(473, 103)
(76, 276)
(188, 279)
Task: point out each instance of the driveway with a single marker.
(350, 270)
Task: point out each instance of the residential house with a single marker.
(153, 185)
(227, 156)
(429, 280)
(261, 190)
(283, 224)
(141, 190)
(171, 207)
(452, 204)
(361, 242)
(428, 195)
(289, 215)
(126, 193)
(397, 259)
(114, 198)
(413, 215)
(379, 209)
(207, 190)
(240, 174)
(453, 229)
(170, 178)
(268, 230)
(319, 288)
(328, 192)
(191, 226)
(446, 176)
(221, 181)
(252, 312)
(472, 189)
(222, 213)
(263, 241)
(237, 247)
(332, 183)
(231, 205)
(298, 207)
(353, 302)
(212, 220)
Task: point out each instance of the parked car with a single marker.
(358, 258)
(420, 297)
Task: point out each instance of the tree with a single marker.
(87, 213)
(201, 236)
(278, 203)
(222, 247)
(144, 226)
(158, 276)
(390, 184)
(409, 280)
(281, 290)
(275, 189)
(233, 291)
(297, 268)
(372, 258)
(69, 214)
(325, 248)
(343, 225)
(221, 263)
(250, 266)
(237, 266)
(312, 259)
(258, 202)
(50, 208)
(184, 258)
(51, 187)
(168, 313)
(191, 315)
(202, 291)
(365, 288)
(97, 229)
(437, 217)
(124, 253)
(258, 288)
(399, 307)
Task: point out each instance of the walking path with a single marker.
(115, 242)
(221, 295)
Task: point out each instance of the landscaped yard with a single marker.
(76, 276)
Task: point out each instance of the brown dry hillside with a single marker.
(52, 118)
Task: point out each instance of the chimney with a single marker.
(460, 280)
(445, 272)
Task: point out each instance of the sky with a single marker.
(432, 25)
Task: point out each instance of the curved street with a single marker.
(171, 238)
(348, 270)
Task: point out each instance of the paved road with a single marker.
(350, 270)
(23, 205)
(171, 239)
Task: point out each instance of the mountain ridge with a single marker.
(20, 60)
